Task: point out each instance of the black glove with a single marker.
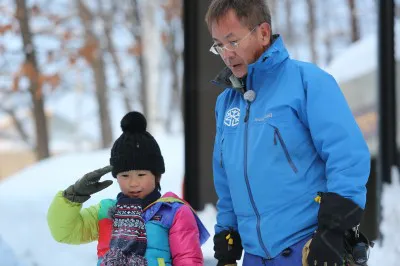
(228, 247)
(336, 215)
(87, 185)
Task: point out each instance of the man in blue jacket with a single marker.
(290, 163)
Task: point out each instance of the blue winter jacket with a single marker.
(273, 155)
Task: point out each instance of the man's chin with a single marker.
(239, 72)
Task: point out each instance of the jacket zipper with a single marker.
(277, 133)
(258, 226)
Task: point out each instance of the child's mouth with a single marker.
(134, 194)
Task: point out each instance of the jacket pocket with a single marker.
(278, 137)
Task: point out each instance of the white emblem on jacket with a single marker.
(232, 117)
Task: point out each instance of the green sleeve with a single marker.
(71, 224)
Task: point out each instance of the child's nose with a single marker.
(133, 182)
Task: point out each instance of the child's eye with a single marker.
(142, 174)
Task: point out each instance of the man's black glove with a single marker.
(336, 215)
(87, 185)
(228, 247)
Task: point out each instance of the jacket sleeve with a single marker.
(337, 138)
(184, 239)
(70, 224)
(226, 218)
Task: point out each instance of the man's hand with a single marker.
(88, 185)
(228, 247)
(336, 215)
(326, 249)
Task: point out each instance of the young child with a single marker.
(139, 227)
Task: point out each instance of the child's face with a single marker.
(136, 183)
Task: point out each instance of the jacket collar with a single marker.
(226, 79)
(272, 57)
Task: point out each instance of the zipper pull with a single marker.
(275, 133)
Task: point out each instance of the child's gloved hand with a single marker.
(88, 185)
(228, 247)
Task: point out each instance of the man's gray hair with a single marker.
(249, 12)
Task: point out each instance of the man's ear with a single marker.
(266, 32)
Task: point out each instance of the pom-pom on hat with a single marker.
(136, 149)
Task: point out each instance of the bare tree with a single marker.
(273, 6)
(354, 21)
(173, 13)
(312, 27)
(327, 39)
(108, 24)
(92, 52)
(31, 70)
(136, 30)
(18, 124)
(289, 25)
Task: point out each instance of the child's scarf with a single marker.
(129, 239)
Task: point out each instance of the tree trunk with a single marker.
(289, 25)
(18, 125)
(42, 139)
(328, 35)
(355, 29)
(328, 48)
(108, 22)
(97, 64)
(312, 29)
(140, 58)
(273, 7)
(102, 99)
(290, 37)
(175, 102)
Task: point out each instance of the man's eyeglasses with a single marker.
(218, 49)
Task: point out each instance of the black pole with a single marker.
(190, 95)
(387, 98)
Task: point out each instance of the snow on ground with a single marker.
(7, 257)
(26, 196)
(387, 252)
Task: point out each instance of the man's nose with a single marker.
(227, 55)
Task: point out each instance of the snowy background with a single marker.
(26, 196)
(74, 128)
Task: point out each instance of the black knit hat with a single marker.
(136, 149)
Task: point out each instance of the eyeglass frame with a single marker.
(235, 44)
